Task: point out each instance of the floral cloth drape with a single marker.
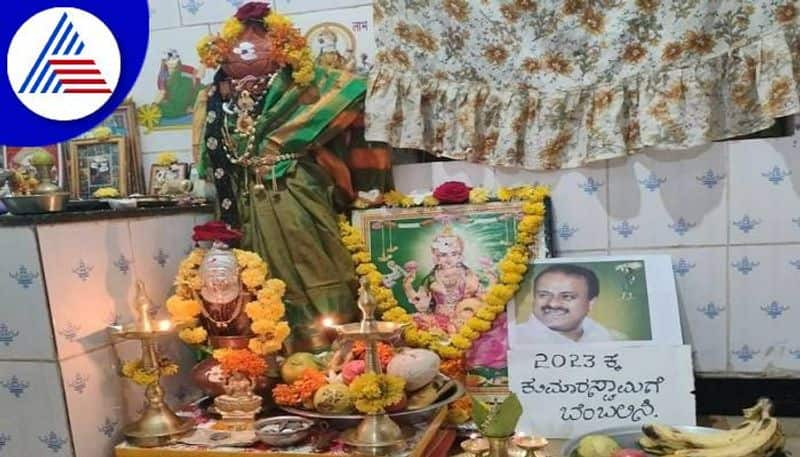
(545, 84)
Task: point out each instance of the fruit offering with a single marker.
(760, 435)
(597, 446)
(628, 453)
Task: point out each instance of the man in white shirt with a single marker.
(563, 295)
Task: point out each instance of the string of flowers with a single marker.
(265, 312)
(289, 47)
(512, 266)
(134, 371)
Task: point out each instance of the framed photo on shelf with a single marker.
(123, 123)
(18, 157)
(439, 262)
(95, 164)
(161, 174)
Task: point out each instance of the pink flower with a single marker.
(452, 192)
(490, 349)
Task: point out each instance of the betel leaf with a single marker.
(480, 411)
(504, 418)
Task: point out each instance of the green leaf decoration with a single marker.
(504, 418)
(480, 411)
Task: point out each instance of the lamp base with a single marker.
(376, 435)
(158, 426)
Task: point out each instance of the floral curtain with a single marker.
(544, 84)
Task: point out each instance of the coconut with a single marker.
(417, 366)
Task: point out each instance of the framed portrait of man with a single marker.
(95, 164)
(618, 300)
(439, 262)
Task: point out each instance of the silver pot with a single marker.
(36, 204)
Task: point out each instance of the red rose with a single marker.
(252, 11)
(215, 231)
(452, 192)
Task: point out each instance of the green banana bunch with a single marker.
(760, 435)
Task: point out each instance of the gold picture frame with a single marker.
(95, 164)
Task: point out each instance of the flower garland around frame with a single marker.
(134, 371)
(512, 269)
(290, 47)
(265, 312)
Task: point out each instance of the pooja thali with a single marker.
(450, 391)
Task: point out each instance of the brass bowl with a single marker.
(300, 428)
(36, 204)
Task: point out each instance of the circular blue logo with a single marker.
(68, 66)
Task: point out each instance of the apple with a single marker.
(294, 366)
(628, 453)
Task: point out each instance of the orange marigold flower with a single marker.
(242, 361)
(286, 395)
(309, 383)
(454, 368)
(385, 352)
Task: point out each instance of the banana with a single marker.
(759, 435)
(678, 439)
(752, 445)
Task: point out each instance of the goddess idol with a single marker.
(282, 141)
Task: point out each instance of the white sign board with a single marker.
(570, 390)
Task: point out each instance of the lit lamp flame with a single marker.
(327, 322)
(164, 325)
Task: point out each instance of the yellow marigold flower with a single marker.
(478, 195)
(374, 278)
(129, 367)
(449, 352)
(505, 194)
(277, 287)
(533, 208)
(263, 326)
(430, 201)
(516, 257)
(479, 325)
(385, 305)
(231, 29)
(166, 158)
(510, 278)
(169, 369)
(253, 278)
(275, 20)
(540, 192)
(393, 198)
(525, 192)
(460, 342)
(262, 346)
(507, 266)
(526, 237)
(468, 333)
(530, 223)
(417, 338)
(248, 259)
(486, 314)
(183, 309)
(195, 335)
(361, 257)
(493, 300)
(366, 268)
(144, 378)
(258, 310)
(497, 309)
(396, 314)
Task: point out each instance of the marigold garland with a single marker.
(372, 393)
(289, 47)
(512, 268)
(265, 312)
(241, 361)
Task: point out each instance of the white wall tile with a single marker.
(206, 11)
(764, 309)
(33, 422)
(95, 403)
(765, 203)
(669, 198)
(701, 282)
(25, 330)
(90, 272)
(579, 203)
(297, 6)
(164, 14)
(159, 245)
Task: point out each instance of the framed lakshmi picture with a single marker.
(19, 157)
(162, 174)
(95, 164)
(439, 262)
